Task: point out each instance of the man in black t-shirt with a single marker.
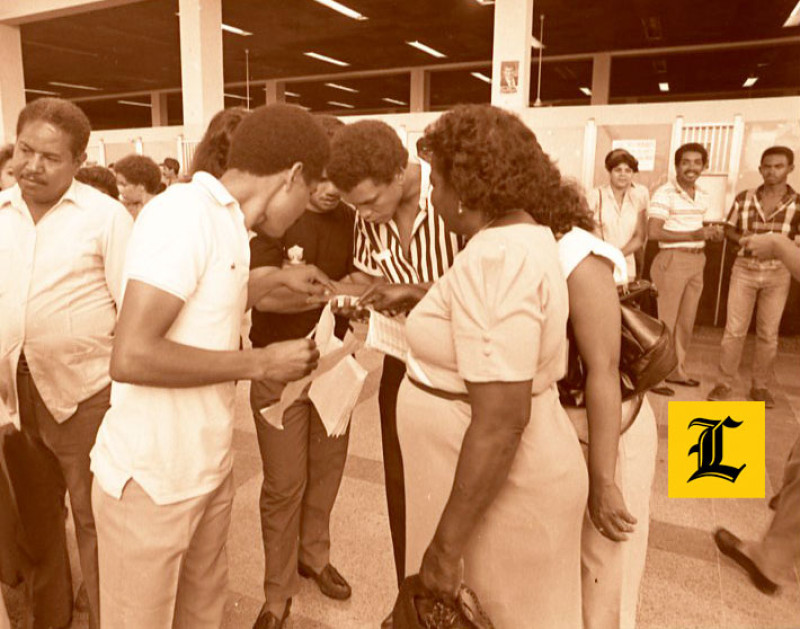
(302, 466)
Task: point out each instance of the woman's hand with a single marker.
(393, 298)
(441, 574)
(608, 512)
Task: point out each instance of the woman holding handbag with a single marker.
(495, 481)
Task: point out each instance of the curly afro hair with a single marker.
(63, 114)
(101, 178)
(368, 149)
(496, 165)
(138, 169)
(211, 154)
(273, 138)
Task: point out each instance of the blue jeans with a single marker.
(769, 288)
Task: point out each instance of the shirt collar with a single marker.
(214, 187)
(681, 190)
(13, 197)
(788, 196)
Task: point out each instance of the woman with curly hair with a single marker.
(211, 155)
(496, 483)
(7, 178)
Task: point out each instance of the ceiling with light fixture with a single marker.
(135, 48)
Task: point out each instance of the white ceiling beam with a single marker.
(24, 12)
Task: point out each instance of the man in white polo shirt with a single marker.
(162, 461)
(675, 220)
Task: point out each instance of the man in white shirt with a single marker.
(163, 489)
(62, 247)
(676, 221)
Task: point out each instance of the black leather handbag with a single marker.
(417, 608)
(647, 354)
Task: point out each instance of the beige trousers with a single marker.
(162, 566)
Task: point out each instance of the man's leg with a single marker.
(393, 373)
(771, 302)
(690, 272)
(203, 585)
(670, 283)
(284, 459)
(326, 460)
(741, 302)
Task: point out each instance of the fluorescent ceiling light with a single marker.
(344, 88)
(585, 90)
(134, 103)
(236, 96)
(340, 8)
(485, 3)
(288, 93)
(482, 77)
(76, 87)
(338, 104)
(235, 31)
(394, 101)
(794, 17)
(426, 49)
(664, 87)
(535, 43)
(45, 92)
(316, 55)
(750, 82)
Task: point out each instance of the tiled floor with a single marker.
(686, 584)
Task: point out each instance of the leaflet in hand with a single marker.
(387, 335)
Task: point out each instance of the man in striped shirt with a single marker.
(675, 220)
(773, 207)
(399, 242)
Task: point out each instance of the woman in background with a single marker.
(620, 207)
(7, 178)
(211, 155)
(495, 480)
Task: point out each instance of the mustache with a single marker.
(29, 177)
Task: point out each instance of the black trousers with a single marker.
(393, 372)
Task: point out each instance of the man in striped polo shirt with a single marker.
(773, 207)
(675, 220)
(401, 242)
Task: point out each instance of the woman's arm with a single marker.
(500, 413)
(595, 316)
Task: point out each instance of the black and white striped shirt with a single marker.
(377, 249)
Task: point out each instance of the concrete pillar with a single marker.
(12, 81)
(511, 53)
(201, 63)
(420, 94)
(158, 109)
(275, 91)
(601, 78)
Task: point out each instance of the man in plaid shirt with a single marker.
(773, 207)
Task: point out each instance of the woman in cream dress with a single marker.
(496, 483)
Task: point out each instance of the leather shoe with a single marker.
(689, 382)
(267, 620)
(669, 392)
(330, 582)
(730, 545)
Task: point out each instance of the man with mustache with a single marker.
(676, 215)
(62, 248)
(773, 207)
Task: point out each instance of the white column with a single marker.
(201, 63)
(158, 109)
(589, 154)
(511, 53)
(275, 91)
(420, 93)
(12, 81)
(601, 78)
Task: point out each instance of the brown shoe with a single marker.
(730, 545)
(762, 395)
(267, 620)
(330, 582)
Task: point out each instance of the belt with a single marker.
(440, 393)
(685, 249)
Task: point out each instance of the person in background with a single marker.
(7, 167)
(771, 560)
(163, 456)
(675, 220)
(101, 178)
(495, 479)
(620, 207)
(211, 154)
(400, 244)
(170, 170)
(64, 246)
(138, 180)
(303, 466)
(773, 207)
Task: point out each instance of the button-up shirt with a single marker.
(60, 281)
(617, 223)
(748, 216)
(680, 212)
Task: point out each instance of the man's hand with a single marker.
(713, 233)
(307, 279)
(393, 298)
(286, 361)
(760, 245)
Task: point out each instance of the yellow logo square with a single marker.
(716, 449)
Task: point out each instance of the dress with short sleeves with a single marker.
(498, 315)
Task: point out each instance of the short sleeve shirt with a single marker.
(680, 212)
